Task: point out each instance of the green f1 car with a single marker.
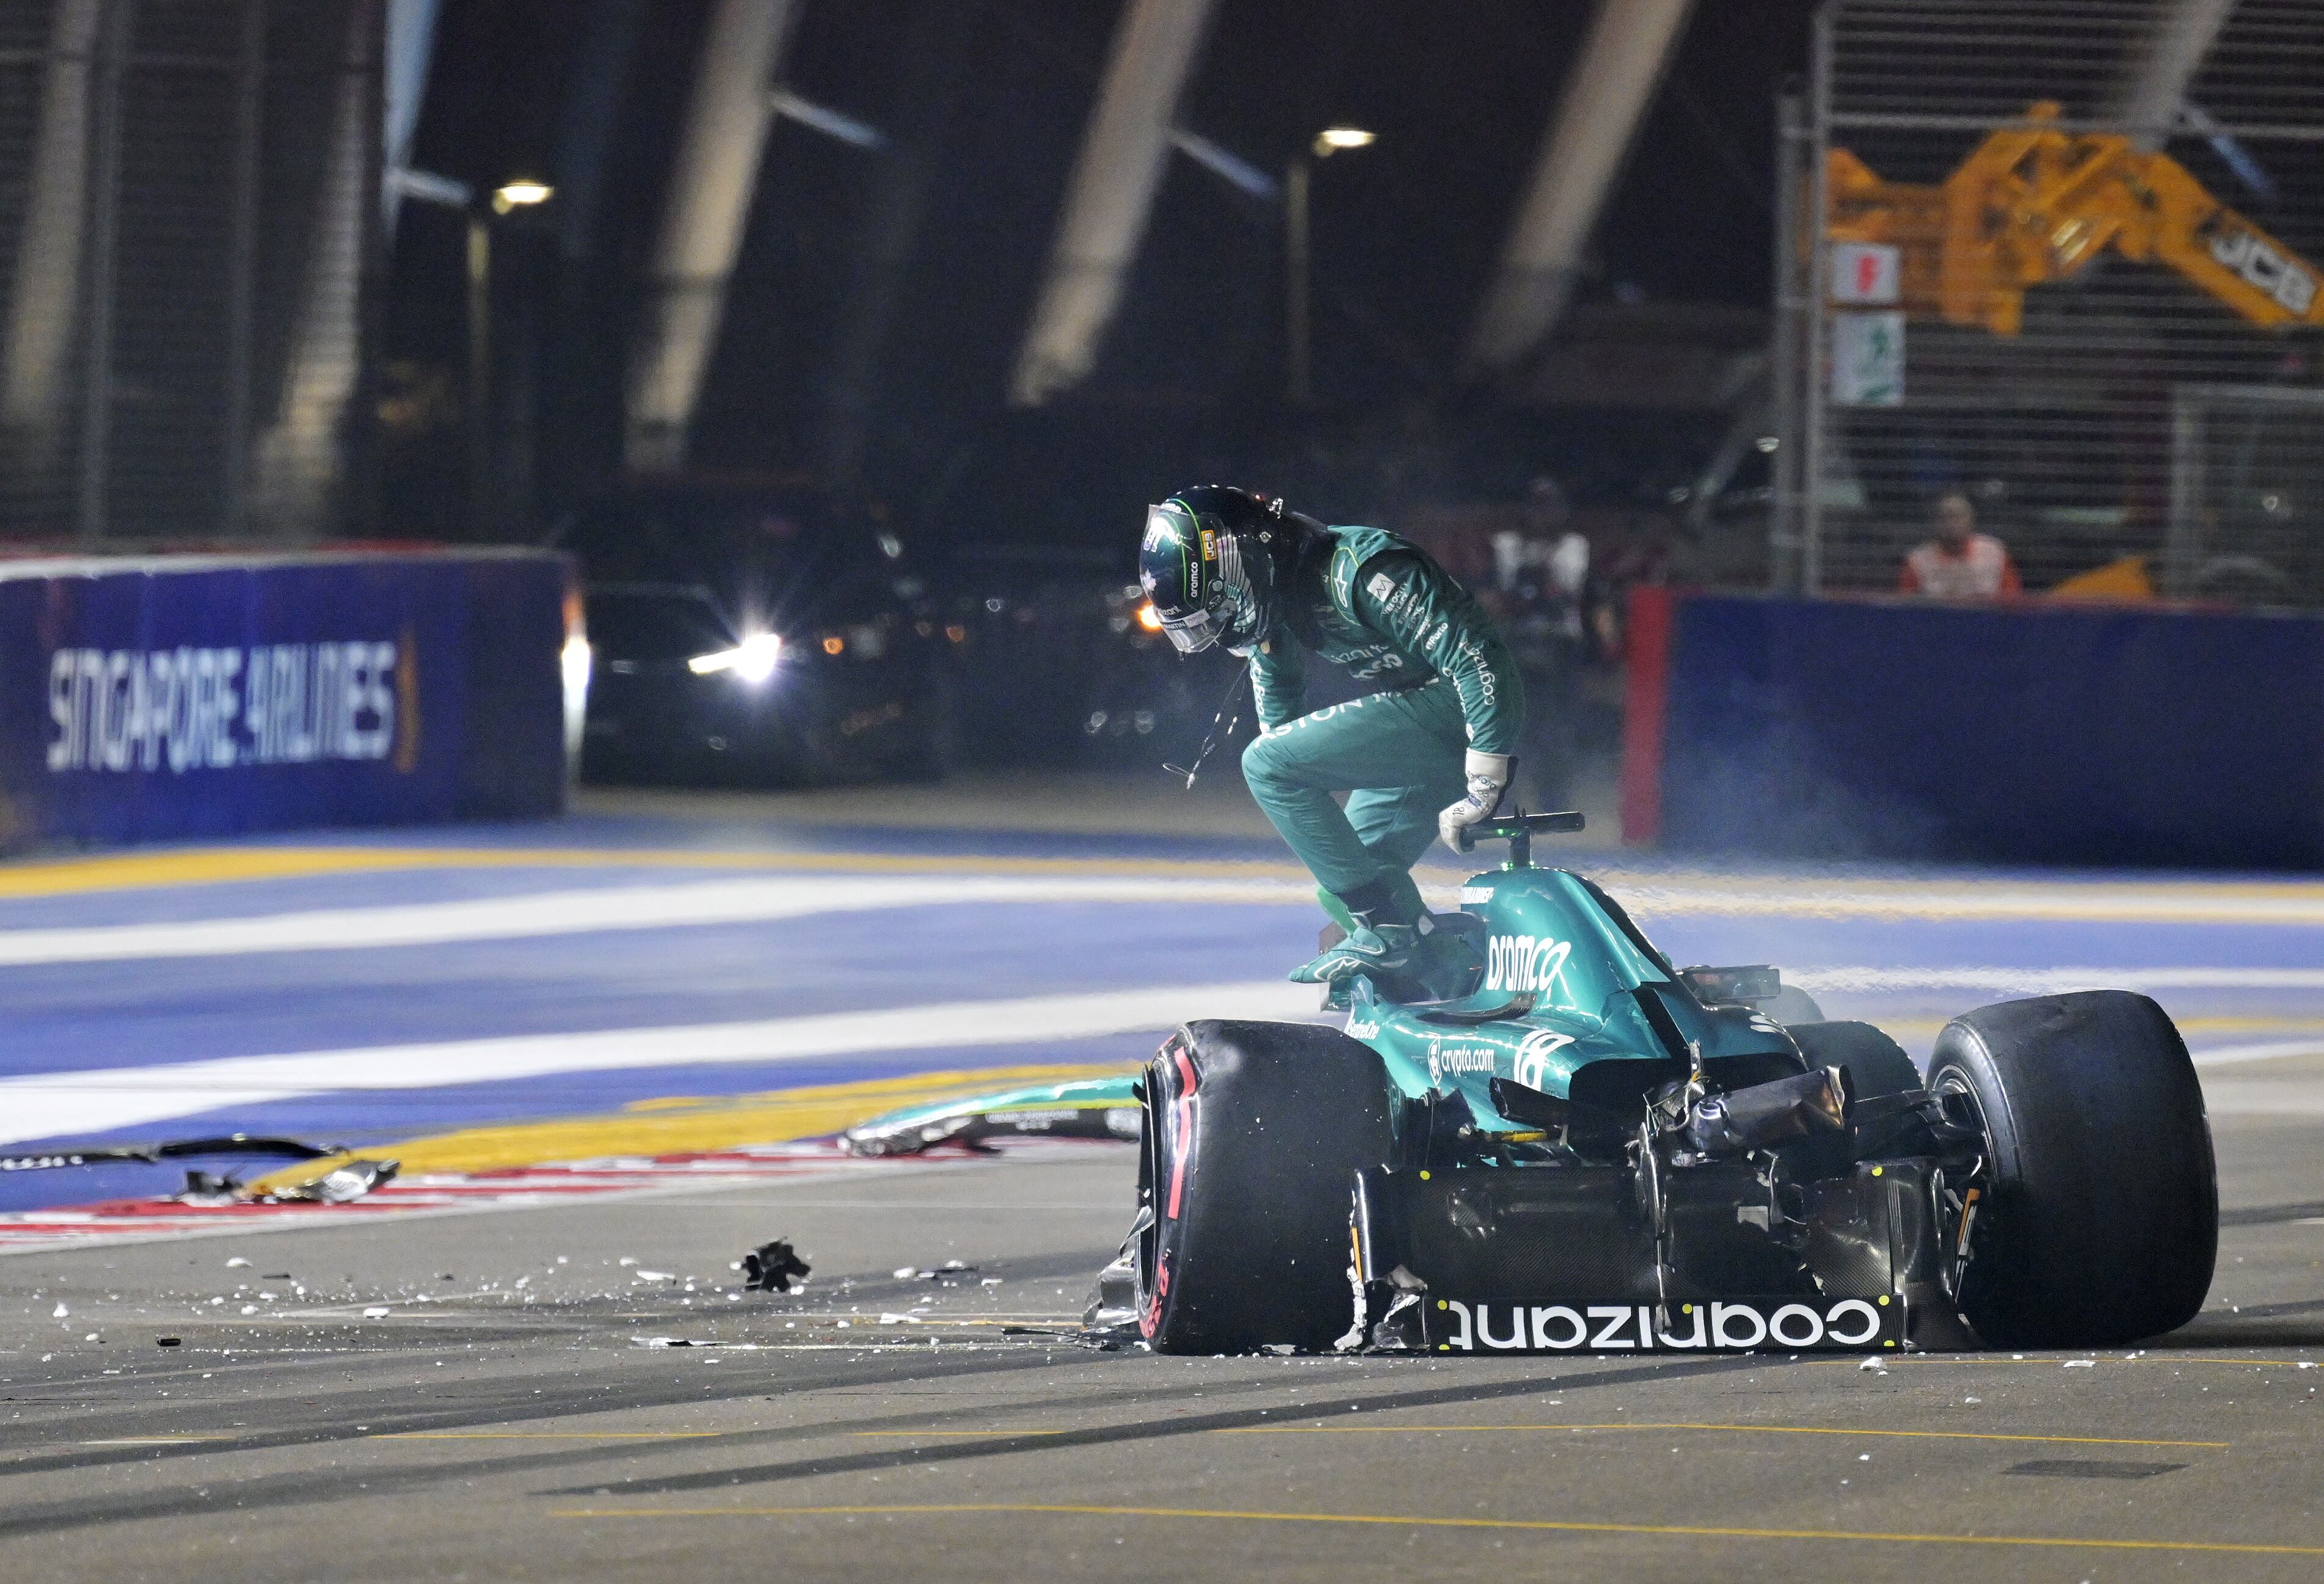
(1593, 1151)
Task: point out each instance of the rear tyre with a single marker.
(2104, 1214)
(1253, 1131)
(1876, 1065)
(1793, 1006)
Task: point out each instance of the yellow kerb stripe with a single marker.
(687, 1127)
(212, 866)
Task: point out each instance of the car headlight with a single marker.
(754, 659)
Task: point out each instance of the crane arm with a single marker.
(2032, 204)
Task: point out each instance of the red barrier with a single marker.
(1645, 702)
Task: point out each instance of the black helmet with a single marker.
(1208, 563)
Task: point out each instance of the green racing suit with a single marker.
(1366, 600)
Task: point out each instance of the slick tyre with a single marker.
(2104, 1219)
(1876, 1064)
(1794, 1007)
(1252, 1134)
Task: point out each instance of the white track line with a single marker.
(48, 1105)
(2031, 981)
(624, 907)
(763, 899)
(2266, 1050)
(2087, 901)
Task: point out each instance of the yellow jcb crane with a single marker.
(2032, 204)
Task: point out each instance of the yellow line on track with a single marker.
(1534, 1525)
(932, 1434)
(1900, 1361)
(1944, 1435)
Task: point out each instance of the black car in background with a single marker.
(738, 641)
(746, 634)
(1061, 662)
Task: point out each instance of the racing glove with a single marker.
(1488, 780)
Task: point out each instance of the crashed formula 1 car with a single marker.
(1593, 1151)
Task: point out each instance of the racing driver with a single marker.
(1428, 754)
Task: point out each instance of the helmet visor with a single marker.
(1191, 634)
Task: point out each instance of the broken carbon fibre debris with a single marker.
(229, 1143)
(950, 1274)
(692, 1342)
(773, 1267)
(350, 1180)
(1087, 1108)
(342, 1183)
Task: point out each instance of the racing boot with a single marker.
(1397, 941)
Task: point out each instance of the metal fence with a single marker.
(2062, 257)
(187, 211)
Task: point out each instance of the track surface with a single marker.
(524, 1431)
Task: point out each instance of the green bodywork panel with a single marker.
(1382, 611)
(1549, 938)
(1080, 1094)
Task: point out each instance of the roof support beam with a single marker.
(1607, 94)
(411, 46)
(1112, 194)
(299, 458)
(42, 314)
(711, 189)
(2155, 91)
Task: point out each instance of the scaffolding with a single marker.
(2061, 257)
(189, 219)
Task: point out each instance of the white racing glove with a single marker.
(1488, 779)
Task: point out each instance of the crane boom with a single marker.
(2034, 204)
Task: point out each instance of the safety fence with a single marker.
(188, 204)
(2062, 257)
(2026, 733)
(210, 696)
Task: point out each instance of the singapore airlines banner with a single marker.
(204, 695)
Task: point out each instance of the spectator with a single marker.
(1541, 594)
(1960, 562)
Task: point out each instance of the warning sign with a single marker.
(1867, 359)
(1864, 273)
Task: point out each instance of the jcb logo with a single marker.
(2263, 266)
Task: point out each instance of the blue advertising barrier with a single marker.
(210, 695)
(2023, 732)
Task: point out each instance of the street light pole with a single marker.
(1298, 339)
(480, 374)
(487, 490)
(1297, 375)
